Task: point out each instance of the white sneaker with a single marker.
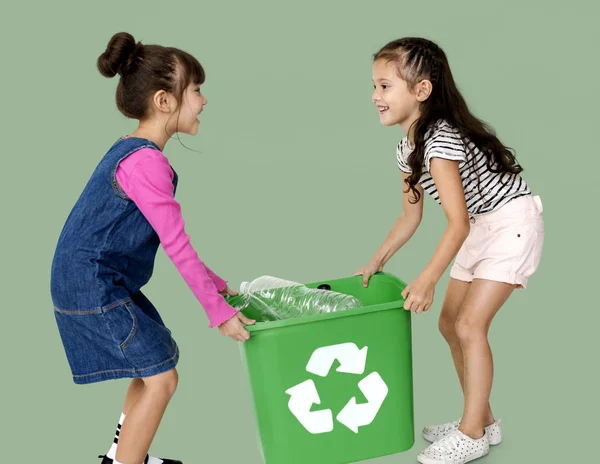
(455, 448)
(433, 433)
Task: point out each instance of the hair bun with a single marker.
(119, 51)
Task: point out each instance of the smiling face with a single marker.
(192, 105)
(395, 100)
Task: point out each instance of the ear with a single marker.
(162, 101)
(423, 90)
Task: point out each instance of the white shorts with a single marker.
(504, 245)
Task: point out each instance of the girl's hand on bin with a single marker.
(418, 295)
(368, 270)
(227, 292)
(234, 327)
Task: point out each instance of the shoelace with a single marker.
(449, 427)
(449, 444)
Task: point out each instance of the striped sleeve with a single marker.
(444, 143)
(400, 158)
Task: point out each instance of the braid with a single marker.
(434, 66)
(416, 59)
(419, 56)
(431, 58)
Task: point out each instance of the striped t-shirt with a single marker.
(494, 189)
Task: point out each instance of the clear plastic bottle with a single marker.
(283, 299)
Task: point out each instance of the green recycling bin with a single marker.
(334, 388)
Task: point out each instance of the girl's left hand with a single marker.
(418, 295)
(227, 292)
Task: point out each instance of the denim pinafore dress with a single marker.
(104, 256)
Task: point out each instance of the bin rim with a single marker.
(396, 304)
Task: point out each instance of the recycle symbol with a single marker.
(353, 415)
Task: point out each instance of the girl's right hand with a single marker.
(367, 271)
(234, 327)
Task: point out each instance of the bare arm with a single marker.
(447, 180)
(445, 173)
(404, 227)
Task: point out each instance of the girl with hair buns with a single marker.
(106, 250)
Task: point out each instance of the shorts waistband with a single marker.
(521, 205)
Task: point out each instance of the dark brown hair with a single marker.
(417, 59)
(146, 69)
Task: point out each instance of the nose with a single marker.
(205, 100)
(375, 96)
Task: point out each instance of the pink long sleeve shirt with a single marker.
(147, 178)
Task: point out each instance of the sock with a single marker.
(113, 449)
(150, 461)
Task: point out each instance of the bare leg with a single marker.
(136, 387)
(482, 302)
(453, 301)
(144, 416)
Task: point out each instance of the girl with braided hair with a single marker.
(495, 230)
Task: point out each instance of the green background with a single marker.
(290, 126)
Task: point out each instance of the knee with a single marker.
(446, 326)
(170, 382)
(165, 383)
(469, 330)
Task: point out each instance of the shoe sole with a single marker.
(426, 460)
(433, 439)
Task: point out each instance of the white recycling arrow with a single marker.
(302, 397)
(352, 360)
(355, 415)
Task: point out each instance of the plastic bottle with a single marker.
(283, 299)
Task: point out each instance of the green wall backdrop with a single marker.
(290, 125)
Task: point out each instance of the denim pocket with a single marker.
(122, 323)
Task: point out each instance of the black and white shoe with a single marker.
(107, 460)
